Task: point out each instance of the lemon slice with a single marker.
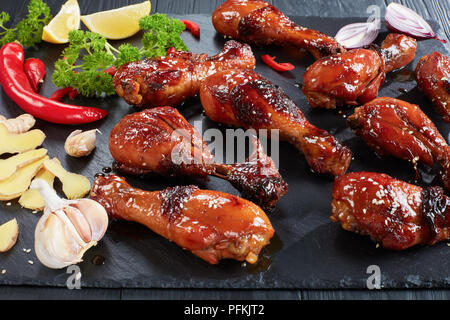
(67, 19)
(118, 23)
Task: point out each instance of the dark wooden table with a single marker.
(438, 10)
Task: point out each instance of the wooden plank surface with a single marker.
(438, 10)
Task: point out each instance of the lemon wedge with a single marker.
(67, 19)
(118, 23)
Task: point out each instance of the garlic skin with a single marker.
(80, 144)
(21, 124)
(67, 229)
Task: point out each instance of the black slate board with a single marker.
(308, 250)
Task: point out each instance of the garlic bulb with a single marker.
(67, 229)
(80, 144)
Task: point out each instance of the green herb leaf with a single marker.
(29, 30)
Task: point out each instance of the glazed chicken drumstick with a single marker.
(161, 141)
(244, 98)
(170, 80)
(395, 127)
(433, 78)
(212, 225)
(258, 22)
(355, 76)
(392, 212)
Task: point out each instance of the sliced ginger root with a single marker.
(18, 143)
(32, 199)
(9, 166)
(18, 183)
(8, 235)
(74, 186)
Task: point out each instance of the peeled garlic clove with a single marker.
(67, 228)
(79, 143)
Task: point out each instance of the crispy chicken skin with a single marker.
(433, 79)
(212, 225)
(258, 22)
(244, 98)
(396, 214)
(161, 141)
(170, 80)
(354, 77)
(395, 127)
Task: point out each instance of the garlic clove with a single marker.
(95, 214)
(79, 143)
(79, 222)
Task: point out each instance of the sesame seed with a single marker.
(30, 262)
(3, 271)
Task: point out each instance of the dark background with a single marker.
(430, 10)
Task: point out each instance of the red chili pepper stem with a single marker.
(16, 85)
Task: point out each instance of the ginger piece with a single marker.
(18, 183)
(8, 235)
(18, 143)
(32, 199)
(21, 124)
(9, 166)
(74, 185)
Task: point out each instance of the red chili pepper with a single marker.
(270, 61)
(73, 94)
(170, 50)
(16, 85)
(193, 27)
(111, 70)
(59, 94)
(35, 70)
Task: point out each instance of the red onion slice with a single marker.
(357, 35)
(404, 20)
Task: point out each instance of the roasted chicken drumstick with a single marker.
(395, 127)
(433, 78)
(396, 214)
(212, 225)
(258, 22)
(169, 80)
(354, 77)
(161, 141)
(244, 98)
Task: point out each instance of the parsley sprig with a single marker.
(29, 30)
(88, 55)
